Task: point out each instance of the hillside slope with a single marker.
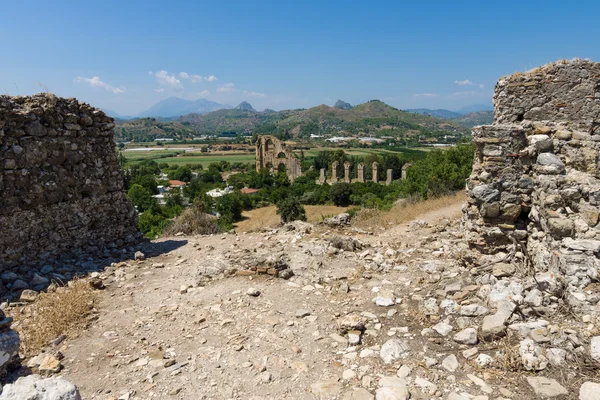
(373, 118)
(475, 118)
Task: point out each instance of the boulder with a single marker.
(34, 387)
(393, 350)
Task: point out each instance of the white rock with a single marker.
(589, 391)
(385, 298)
(34, 387)
(450, 363)
(595, 348)
(470, 353)
(505, 290)
(546, 388)
(534, 298)
(358, 394)
(473, 310)
(348, 374)
(484, 360)
(466, 336)
(392, 393)
(442, 328)
(531, 356)
(449, 306)
(393, 350)
(404, 371)
(481, 383)
(556, 356)
(426, 386)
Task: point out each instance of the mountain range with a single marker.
(467, 118)
(373, 118)
(174, 107)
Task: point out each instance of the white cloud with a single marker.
(204, 93)
(465, 82)
(159, 90)
(481, 85)
(97, 83)
(226, 88)
(164, 79)
(254, 94)
(426, 95)
(196, 78)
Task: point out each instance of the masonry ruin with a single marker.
(535, 185)
(273, 154)
(60, 182)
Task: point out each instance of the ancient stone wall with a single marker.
(61, 187)
(272, 153)
(535, 178)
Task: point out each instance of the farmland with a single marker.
(176, 156)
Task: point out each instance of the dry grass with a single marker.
(64, 311)
(265, 217)
(407, 211)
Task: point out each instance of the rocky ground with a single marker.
(333, 312)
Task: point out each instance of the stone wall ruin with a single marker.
(536, 178)
(60, 182)
(273, 153)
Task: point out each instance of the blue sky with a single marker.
(126, 55)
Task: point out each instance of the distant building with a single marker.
(176, 184)
(249, 191)
(163, 140)
(160, 199)
(214, 193)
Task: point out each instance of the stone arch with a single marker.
(272, 152)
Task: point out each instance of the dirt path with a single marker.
(179, 326)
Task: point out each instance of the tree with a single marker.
(340, 194)
(140, 197)
(290, 209)
(183, 173)
(229, 208)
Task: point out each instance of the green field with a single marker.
(170, 156)
(206, 160)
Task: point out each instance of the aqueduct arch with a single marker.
(272, 153)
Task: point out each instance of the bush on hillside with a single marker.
(291, 209)
(192, 221)
(340, 194)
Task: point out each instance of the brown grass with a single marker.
(265, 217)
(64, 311)
(407, 211)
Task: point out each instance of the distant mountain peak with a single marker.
(175, 107)
(244, 106)
(342, 105)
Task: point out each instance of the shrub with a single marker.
(63, 311)
(290, 209)
(340, 194)
(193, 221)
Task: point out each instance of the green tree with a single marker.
(183, 173)
(290, 209)
(141, 197)
(340, 194)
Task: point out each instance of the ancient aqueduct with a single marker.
(273, 153)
